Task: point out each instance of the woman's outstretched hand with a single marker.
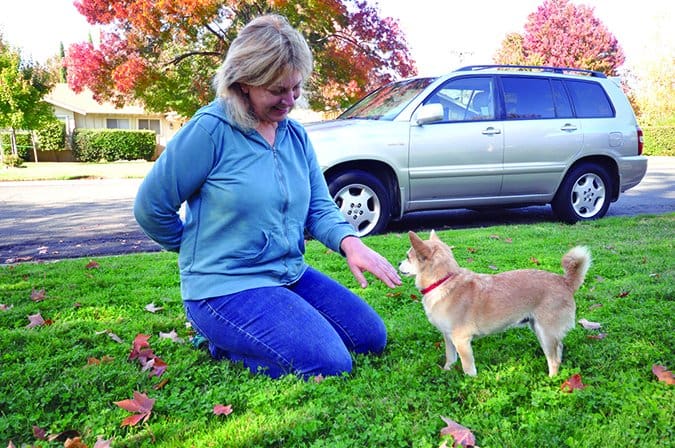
(361, 258)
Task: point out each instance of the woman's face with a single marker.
(272, 103)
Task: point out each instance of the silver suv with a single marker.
(480, 137)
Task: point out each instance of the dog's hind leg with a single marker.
(552, 347)
(450, 352)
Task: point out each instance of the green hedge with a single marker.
(659, 140)
(52, 136)
(94, 145)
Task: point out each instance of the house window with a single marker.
(117, 123)
(151, 124)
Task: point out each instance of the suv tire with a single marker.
(362, 199)
(584, 194)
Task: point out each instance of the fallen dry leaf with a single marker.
(663, 374)
(572, 384)
(220, 409)
(459, 433)
(152, 308)
(588, 325)
(171, 335)
(35, 320)
(39, 433)
(623, 294)
(140, 405)
(92, 265)
(597, 336)
(74, 443)
(535, 260)
(37, 295)
(4, 307)
(102, 443)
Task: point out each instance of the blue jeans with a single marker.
(307, 328)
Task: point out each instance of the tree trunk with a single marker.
(32, 139)
(12, 141)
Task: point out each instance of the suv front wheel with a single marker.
(583, 195)
(362, 199)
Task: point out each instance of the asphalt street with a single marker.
(47, 220)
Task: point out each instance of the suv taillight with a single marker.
(641, 141)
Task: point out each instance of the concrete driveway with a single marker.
(49, 220)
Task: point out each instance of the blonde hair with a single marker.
(265, 50)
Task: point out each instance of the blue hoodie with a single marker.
(247, 205)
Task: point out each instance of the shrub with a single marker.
(94, 145)
(12, 161)
(52, 136)
(659, 140)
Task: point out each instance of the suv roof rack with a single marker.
(542, 68)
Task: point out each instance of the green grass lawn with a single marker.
(74, 170)
(67, 376)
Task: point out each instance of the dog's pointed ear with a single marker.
(433, 236)
(418, 245)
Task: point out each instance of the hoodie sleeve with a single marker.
(176, 175)
(324, 220)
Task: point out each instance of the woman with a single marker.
(252, 185)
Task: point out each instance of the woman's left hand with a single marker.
(361, 258)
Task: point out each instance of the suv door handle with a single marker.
(491, 131)
(568, 127)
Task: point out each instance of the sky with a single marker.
(441, 34)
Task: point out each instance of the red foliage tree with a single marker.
(563, 34)
(166, 53)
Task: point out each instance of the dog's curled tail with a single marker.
(576, 263)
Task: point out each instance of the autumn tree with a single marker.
(23, 85)
(166, 53)
(562, 34)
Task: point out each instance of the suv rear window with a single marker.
(590, 99)
(527, 98)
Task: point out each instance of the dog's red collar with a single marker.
(436, 284)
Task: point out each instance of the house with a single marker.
(80, 110)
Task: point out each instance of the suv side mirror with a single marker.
(429, 113)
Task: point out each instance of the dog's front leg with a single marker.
(463, 345)
(450, 352)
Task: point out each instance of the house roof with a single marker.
(83, 103)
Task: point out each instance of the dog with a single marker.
(463, 304)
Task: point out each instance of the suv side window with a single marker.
(469, 98)
(563, 107)
(528, 98)
(590, 99)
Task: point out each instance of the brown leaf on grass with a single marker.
(494, 237)
(623, 294)
(146, 357)
(572, 383)
(597, 336)
(414, 297)
(471, 250)
(111, 335)
(459, 433)
(4, 307)
(105, 359)
(393, 294)
(92, 265)
(37, 295)
(588, 325)
(140, 405)
(493, 267)
(161, 384)
(153, 308)
(171, 335)
(102, 443)
(220, 409)
(663, 374)
(595, 306)
(535, 260)
(36, 320)
(74, 443)
(39, 433)
(64, 435)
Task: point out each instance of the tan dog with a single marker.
(463, 304)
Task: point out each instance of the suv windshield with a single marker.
(386, 102)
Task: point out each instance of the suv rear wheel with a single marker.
(362, 199)
(584, 194)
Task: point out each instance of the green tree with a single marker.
(23, 85)
(166, 53)
(562, 34)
